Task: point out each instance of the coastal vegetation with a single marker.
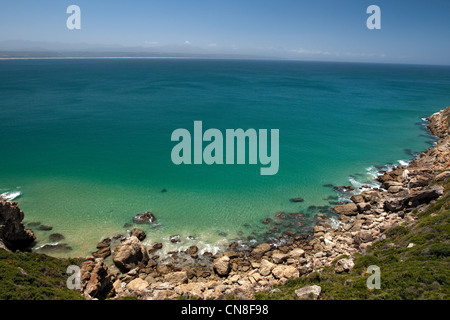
(414, 260)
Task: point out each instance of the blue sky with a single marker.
(412, 31)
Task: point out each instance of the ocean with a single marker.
(87, 142)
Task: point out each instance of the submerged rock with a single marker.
(44, 227)
(266, 220)
(54, 237)
(280, 215)
(54, 247)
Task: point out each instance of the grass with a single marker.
(32, 276)
(418, 272)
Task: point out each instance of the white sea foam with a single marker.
(10, 195)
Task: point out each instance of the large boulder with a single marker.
(176, 278)
(137, 284)
(129, 254)
(414, 199)
(310, 292)
(296, 253)
(364, 236)
(12, 231)
(222, 266)
(349, 209)
(266, 267)
(344, 265)
(283, 271)
(260, 250)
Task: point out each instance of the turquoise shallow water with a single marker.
(87, 142)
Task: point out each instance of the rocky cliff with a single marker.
(13, 234)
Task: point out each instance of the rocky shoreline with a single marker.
(242, 270)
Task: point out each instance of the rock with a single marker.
(260, 250)
(222, 266)
(297, 215)
(349, 209)
(44, 227)
(137, 284)
(279, 257)
(102, 252)
(33, 224)
(419, 181)
(96, 280)
(363, 237)
(12, 231)
(318, 229)
(283, 271)
(288, 233)
(280, 215)
(157, 246)
(174, 238)
(387, 184)
(176, 278)
(344, 265)
(296, 200)
(104, 243)
(55, 237)
(129, 253)
(442, 176)
(395, 189)
(191, 250)
(231, 254)
(310, 292)
(54, 247)
(363, 207)
(344, 188)
(357, 198)
(144, 217)
(266, 267)
(371, 196)
(414, 199)
(266, 220)
(296, 253)
(138, 233)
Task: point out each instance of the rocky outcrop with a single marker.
(96, 280)
(13, 234)
(144, 217)
(129, 254)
